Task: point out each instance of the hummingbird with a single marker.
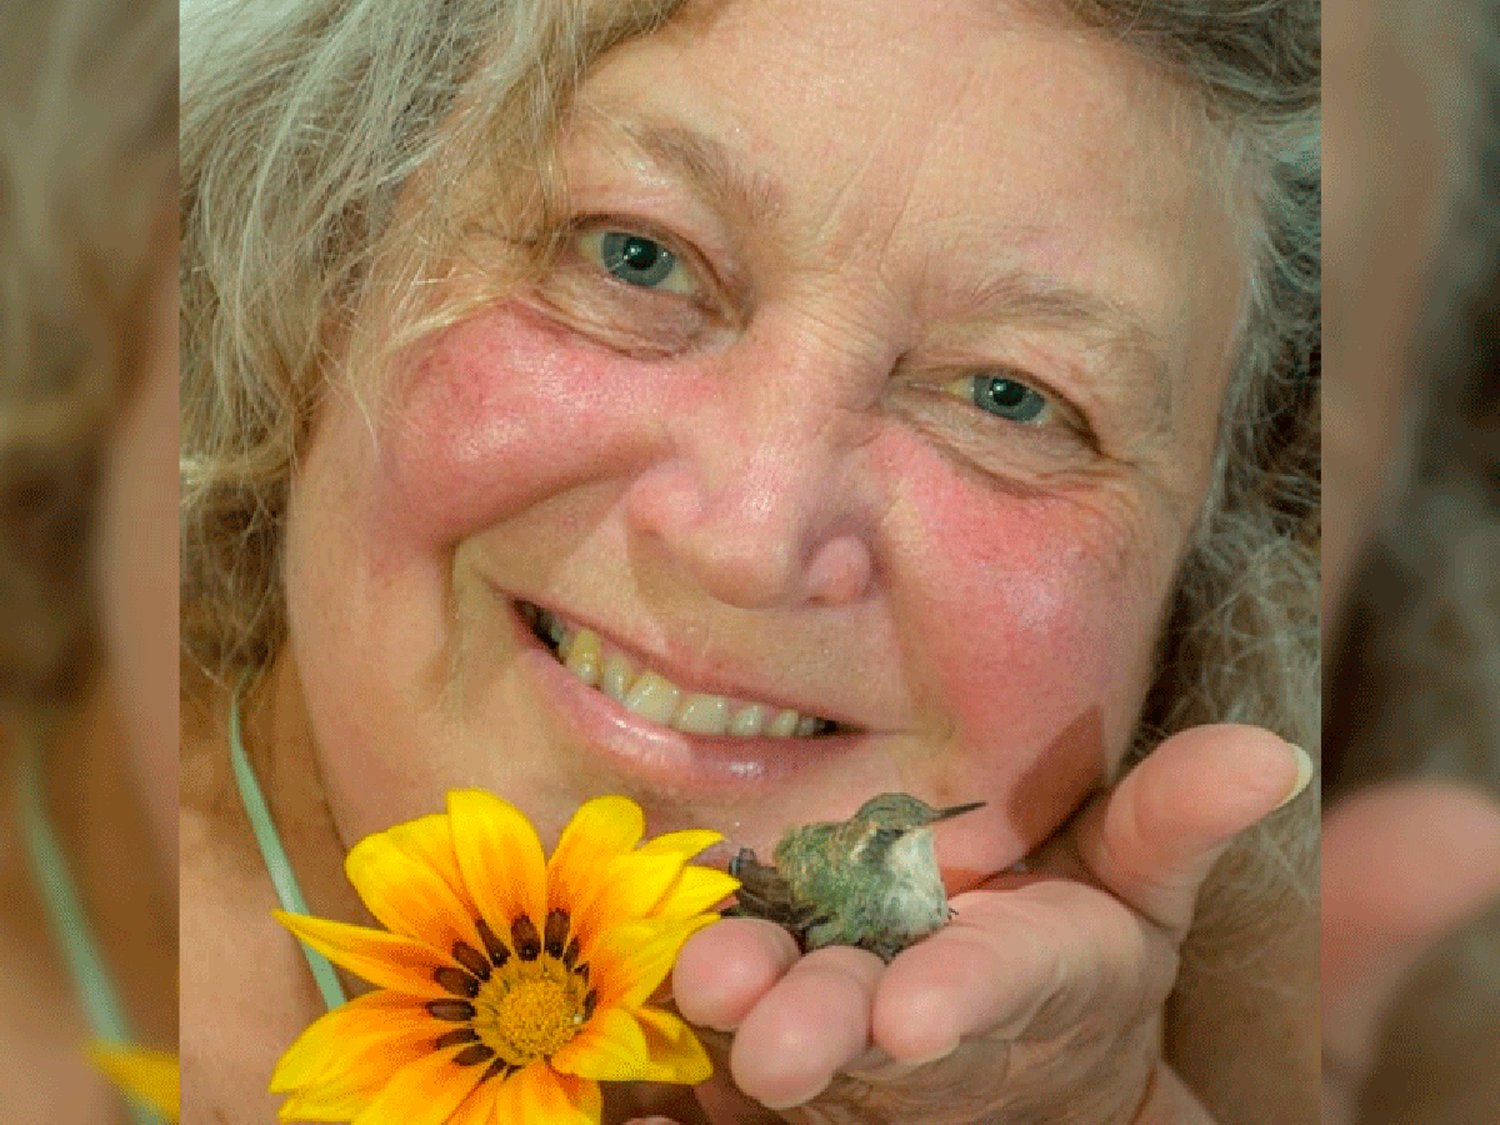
(870, 881)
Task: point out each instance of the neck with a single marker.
(278, 742)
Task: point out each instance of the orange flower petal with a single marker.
(642, 1046)
(383, 959)
(697, 889)
(635, 957)
(540, 1094)
(403, 888)
(324, 1105)
(610, 1048)
(341, 1094)
(357, 1074)
(479, 1107)
(674, 1048)
(656, 879)
(429, 839)
(601, 829)
(583, 1095)
(152, 1076)
(687, 843)
(331, 1041)
(636, 883)
(425, 1092)
(500, 857)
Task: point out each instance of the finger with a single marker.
(1402, 866)
(724, 969)
(814, 1021)
(719, 1099)
(1019, 963)
(1152, 840)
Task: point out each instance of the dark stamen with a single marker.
(455, 1037)
(455, 1011)
(502, 1068)
(471, 959)
(570, 955)
(477, 1053)
(557, 932)
(583, 972)
(524, 937)
(496, 948)
(456, 981)
(590, 1002)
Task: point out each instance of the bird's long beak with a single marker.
(955, 810)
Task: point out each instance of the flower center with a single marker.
(534, 1019)
(518, 1001)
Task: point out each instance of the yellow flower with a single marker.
(152, 1076)
(509, 985)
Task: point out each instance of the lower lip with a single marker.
(664, 758)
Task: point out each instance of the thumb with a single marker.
(1403, 864)
(1153, 838)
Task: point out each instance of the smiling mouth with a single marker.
(649, 695)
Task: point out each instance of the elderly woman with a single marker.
(749, 408)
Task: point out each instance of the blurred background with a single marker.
(1411, 856)
(88, 421)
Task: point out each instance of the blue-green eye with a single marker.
(638, 260)
(1001, 396)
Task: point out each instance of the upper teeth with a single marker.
(657, 699)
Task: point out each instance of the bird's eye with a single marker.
(1003, 396)
(638, 260)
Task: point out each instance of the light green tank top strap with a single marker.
(92, 982)
(278, 866)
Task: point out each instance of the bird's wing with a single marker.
(765, 894)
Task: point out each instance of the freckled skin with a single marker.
(784, 499)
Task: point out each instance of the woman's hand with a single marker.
(1040, 1002)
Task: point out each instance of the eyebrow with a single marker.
(1115, 329)
(707, 166)
(1014, 296)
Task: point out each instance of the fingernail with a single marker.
(1304, 775)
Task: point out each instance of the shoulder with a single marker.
(244, 989)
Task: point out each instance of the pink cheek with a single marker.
(1035, 625)
(502, 411)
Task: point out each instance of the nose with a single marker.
(759, 497)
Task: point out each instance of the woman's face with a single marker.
(877, 382)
